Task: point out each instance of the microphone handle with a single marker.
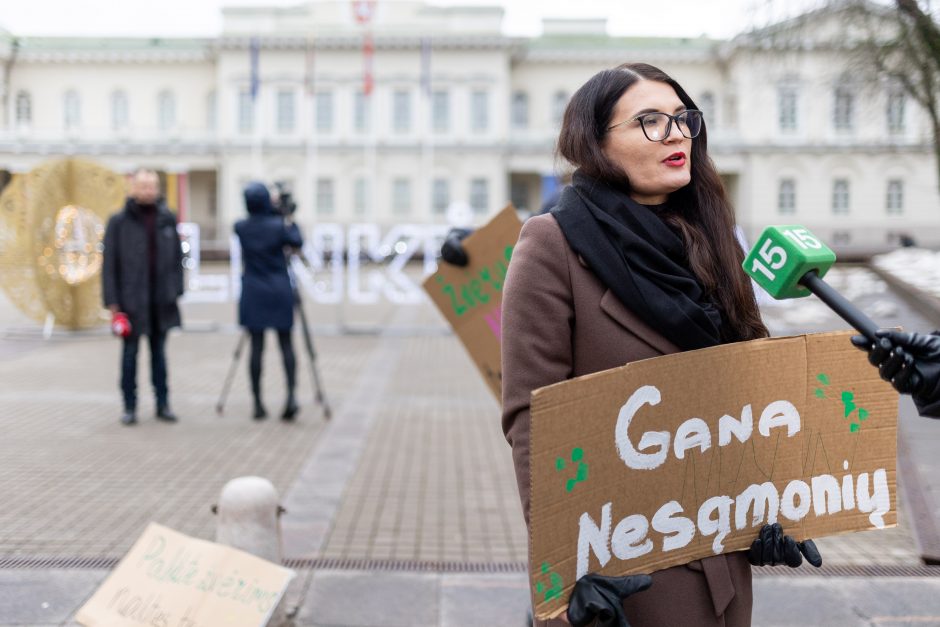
(846, 310)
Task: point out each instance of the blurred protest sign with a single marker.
(677, 458)
(471, 297)
(168, 579)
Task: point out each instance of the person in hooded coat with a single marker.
(267, 298)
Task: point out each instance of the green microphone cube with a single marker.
(782, 256)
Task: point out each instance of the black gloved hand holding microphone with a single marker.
(908, 361)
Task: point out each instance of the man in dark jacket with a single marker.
(142, 277)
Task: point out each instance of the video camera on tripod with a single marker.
(285, 202)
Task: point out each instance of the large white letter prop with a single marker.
(646, 395)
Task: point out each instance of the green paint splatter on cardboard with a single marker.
(849, 406)
(555, 587)
(581, 468)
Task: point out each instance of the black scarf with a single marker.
(643, 262)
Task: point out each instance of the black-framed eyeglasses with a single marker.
(657, 126)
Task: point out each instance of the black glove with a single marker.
(909, 361)
(772, 548)
(452, 251)
(598, 597)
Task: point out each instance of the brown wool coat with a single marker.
(559, 321)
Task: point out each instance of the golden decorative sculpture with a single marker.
(52, 222)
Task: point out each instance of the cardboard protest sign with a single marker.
(168, 579)
(669, 460)
(471, 297)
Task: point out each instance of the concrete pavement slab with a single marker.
(356, 599)
(44, 596)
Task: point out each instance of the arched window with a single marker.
(706, 104)
(119, 112)
(211, 106)
(843, 107)
(166, 110)
(559, 104)
(72, 109)
(897, 100)
(24, 109)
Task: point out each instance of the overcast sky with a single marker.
(685, 18)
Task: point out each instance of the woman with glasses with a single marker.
(637, 260)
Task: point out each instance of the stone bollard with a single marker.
(249, 520)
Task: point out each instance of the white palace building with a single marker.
(392, 114)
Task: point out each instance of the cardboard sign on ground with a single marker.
(673, 459)
(471, 297)
(168, 579)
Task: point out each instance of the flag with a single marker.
(426, 65)
(368, 51)
(309, 67)
(363, 10)
(255, 52)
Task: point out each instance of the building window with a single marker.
(286, 103)
(786, 197)
(440, 111)
(24, 109)
(519, 195)
(246, 111)
(843, 112)
(706, 104)
(559, 103)
(401, 197)
(787, 108)
(361, 196)
(119, 112)
(479, 195)
(72, 109)
(895, 112)
(211, 110)
(841, 237)
(166, 111)
(401, 111)
(894, 203)
(520, 110)
(325, 198)
(479, 110)
(840, 196)
(440, 196)
(324, 104)
(361, 112)
(731, 111)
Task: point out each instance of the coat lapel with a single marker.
(612, 306)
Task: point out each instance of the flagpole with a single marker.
(257, 161)
(311, 133)
(427, 144)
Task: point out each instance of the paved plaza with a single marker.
(401, 510)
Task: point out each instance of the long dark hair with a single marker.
(700, 211)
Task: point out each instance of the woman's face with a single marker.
(655, 168)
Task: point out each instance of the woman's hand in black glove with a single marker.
(772, 548)
(452, 250)
(600, 598)
(909, 361)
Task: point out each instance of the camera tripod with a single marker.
(319, 394)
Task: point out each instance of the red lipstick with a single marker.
(675, 160)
